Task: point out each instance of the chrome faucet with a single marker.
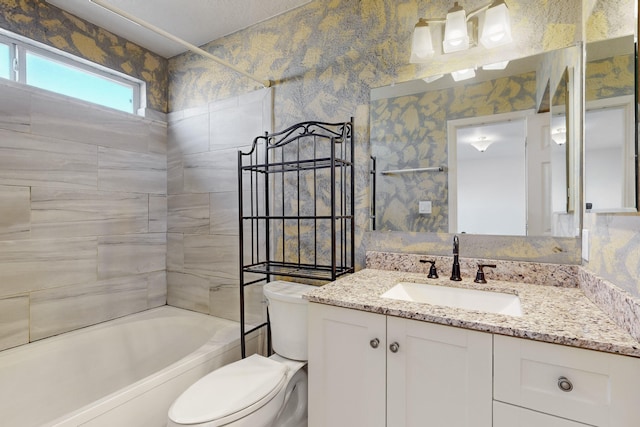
(455, 270)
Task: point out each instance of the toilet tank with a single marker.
(288, 317)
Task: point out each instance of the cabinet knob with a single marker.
(394, 347)
(374, 343)
(564, 384)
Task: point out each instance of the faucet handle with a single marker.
(433, 272)
(480, 273)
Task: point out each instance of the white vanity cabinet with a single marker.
(538, 383)
(367, 369)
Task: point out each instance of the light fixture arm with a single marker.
(163, 33)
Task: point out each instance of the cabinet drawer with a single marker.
(513, 416)
(600, 388)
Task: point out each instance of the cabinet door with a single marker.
(439, 375)
(513, 416)
(346, 367)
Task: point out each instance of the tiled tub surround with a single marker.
(554, 314)
(125, 372)
(83, 214)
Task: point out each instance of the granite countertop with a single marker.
(550, 313)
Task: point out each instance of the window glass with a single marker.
(66, 79)
(5, 61)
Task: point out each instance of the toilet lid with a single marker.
(228, 390)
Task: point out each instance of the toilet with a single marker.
(257, 391)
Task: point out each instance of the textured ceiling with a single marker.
(195, 21)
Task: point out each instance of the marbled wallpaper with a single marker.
(325, 57)
(45, 23)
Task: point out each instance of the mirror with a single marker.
(433, 173)
(610, 142)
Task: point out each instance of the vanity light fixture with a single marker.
(456, 35)
(467, 73)
(460, 29)
(559, 136)
(481, 144)
(497, 26)
(422, 46)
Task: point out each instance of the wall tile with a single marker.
(156, 289)
(14, 321)
(80, 122)
(175, 170)
(188, 291)
(131, 254)
(157, 137)
(175, 252)
(190, 135)
(40, 264)
(15, 110)
(66, 213)
(224, 213)
(211, 172)
(224, 301)
(188, 213)
(212, 256)
(15, 212)
(157, 213)
(135, 172)
(32, 160)
(55, 311)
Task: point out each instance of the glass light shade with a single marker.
(431, 79)
(481, 144)
(496, 66)
(496, 30)
(465, 74)
(559, 136)
(422, 46)
(456, 37)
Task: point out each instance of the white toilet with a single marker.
(257, 391)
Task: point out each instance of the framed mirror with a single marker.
(451, 156)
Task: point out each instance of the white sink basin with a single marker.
(470, 299)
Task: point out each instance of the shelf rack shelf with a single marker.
(296, 208)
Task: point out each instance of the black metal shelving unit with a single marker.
(296, 208)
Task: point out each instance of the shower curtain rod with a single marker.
(191, 47)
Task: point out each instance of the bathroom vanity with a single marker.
(378, 361)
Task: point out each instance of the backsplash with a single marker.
(510, 271)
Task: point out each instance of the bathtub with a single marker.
(125, 372)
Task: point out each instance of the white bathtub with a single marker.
(123, 373)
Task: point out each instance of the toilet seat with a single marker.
(231, 392)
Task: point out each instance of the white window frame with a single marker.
(19, 46)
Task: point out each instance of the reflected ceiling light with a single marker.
(467, 73)
(496, 66)
(559, 136)
(433, 78)
(422, 46)
(497, 25)
(456, 36)
(481, 144)
(460, 30)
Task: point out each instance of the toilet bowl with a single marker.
(257, 391)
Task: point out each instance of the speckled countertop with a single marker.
(552, 314)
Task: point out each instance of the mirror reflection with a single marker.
(451, 157)
(610, 144)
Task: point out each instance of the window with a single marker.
(5, 61)
(47, 68)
